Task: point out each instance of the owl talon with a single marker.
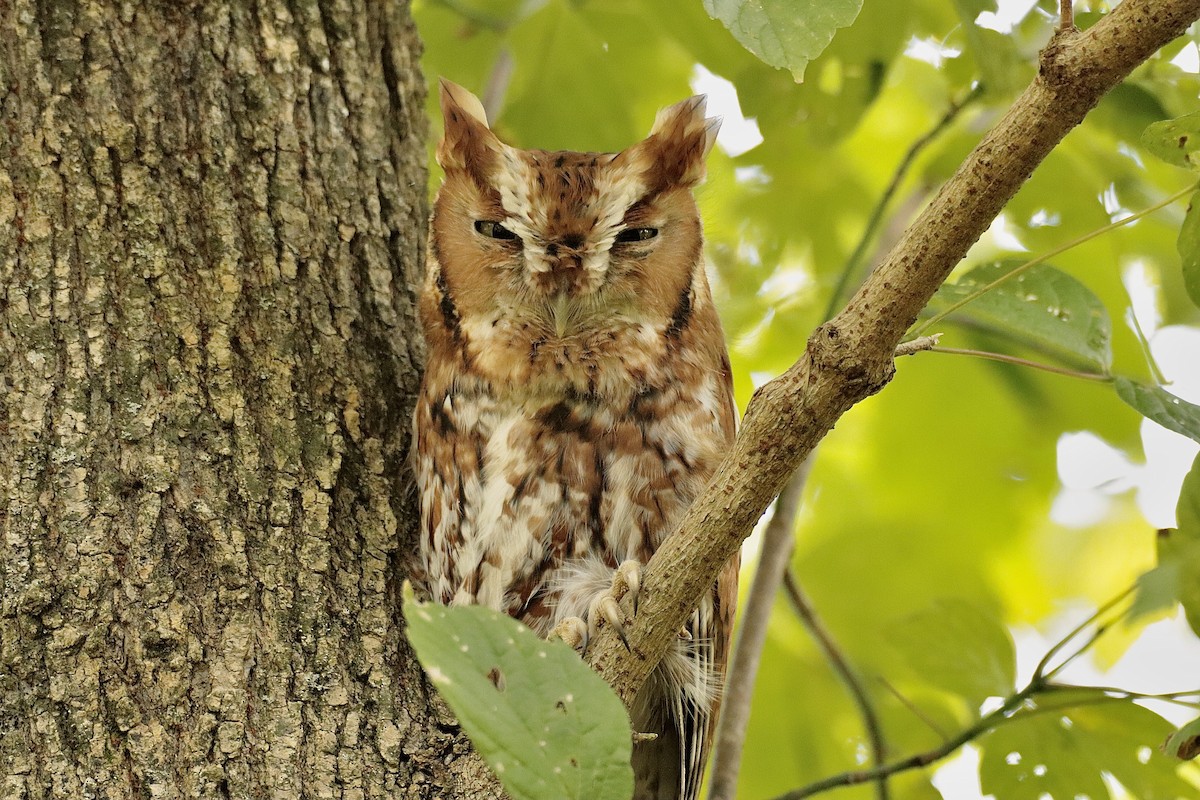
(605, 605)
(573, 631)
(629, 577)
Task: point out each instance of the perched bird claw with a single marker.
(573, 631)
(629, 577)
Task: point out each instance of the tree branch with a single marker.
(777, 545)
(851, 357)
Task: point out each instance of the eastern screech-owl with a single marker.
(576, 399)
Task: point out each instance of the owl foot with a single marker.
(626, 580)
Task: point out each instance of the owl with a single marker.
(576, 399)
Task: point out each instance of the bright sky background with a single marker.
(1166, 657)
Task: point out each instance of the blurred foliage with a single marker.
(927, 533)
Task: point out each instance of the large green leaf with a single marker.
(784, 33)
(1042, 308)
(1176, 141)
(546, 724)
(1188, 245)
(958, 648)
(1157, 404)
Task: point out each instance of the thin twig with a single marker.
(1033, 262)
(917, 345)
(777, 544)
(853, 263)
(1066, 15)
(983, 725)
(835, 657)
(1023, 362)
(913, 707)
(1040, 672)
(1015, 707)
(496, 85)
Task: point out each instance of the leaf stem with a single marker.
(936, 318)
(1040, 672)
(1066, 15)
(1015, 706)
(983, 725)
(1024, 362)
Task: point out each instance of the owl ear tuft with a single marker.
(675, 151)
(467, 141)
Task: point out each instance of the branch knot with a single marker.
(863, 371)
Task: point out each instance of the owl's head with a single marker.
(567, 240)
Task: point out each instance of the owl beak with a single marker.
(561, 309)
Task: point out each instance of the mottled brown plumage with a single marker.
(577, 396)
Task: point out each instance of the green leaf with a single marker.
(1188, 245)
(958, 648)
(1184, 743)
(1187, 510)
(1179, 548)
(1066, 753)
(546, 724)
(995, 53)
(1043, 308)
(1121, 739)
(1176, 141)
(1177, 576)
(1159, 405)
(1035, 758)
(784, 33)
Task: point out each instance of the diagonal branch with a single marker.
(850, 357)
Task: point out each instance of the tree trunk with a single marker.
(211, 224)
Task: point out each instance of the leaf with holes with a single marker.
(1042, 308)
(1066, 749)
(1158, 405)
(546, 724)
(1176, 141)
(784, 33)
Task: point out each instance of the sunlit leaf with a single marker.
(1176, 141)
(1157, 404)
(1188, 245)
(1037, 758)
(784, 33)
(1067, 752)
(959, 648)
(1042, 308)
(546, 724)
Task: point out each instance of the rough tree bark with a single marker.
(211, 218)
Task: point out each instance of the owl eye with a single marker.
(493, 229)
(637, 234)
